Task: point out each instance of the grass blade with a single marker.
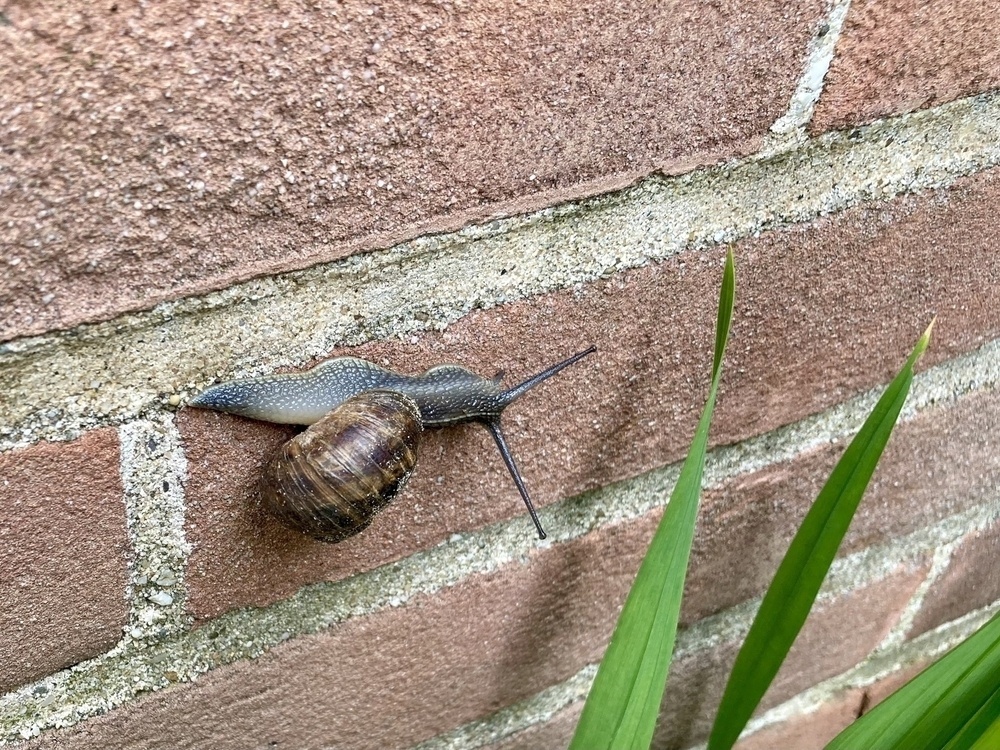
(953, 703)
(624, 702)
(794, 587)
(982, 730)
(989, 739)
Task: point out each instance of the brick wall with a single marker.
(199, 192)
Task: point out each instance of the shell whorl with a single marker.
(330, 480)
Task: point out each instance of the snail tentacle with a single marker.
(508, 458)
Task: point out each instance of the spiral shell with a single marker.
(330, 480)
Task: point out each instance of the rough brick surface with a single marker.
(898, 56)
(403, 675)
(62, 555)
(810, 731)
(869, 280)
(153, 152)
(936, 465)
(971, 581)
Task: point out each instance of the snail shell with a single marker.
(332, 479)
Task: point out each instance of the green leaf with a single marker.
(954, 703)
(724, 319)
(794, 587)
(982, 730)
(990, 739)
(624, 702)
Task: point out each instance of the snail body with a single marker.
(446, 394)
(366, 422)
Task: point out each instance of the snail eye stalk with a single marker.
(508, 458)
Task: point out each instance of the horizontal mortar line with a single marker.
(544, 705)
(59, 385)
(879, 665)
(538, 709)
(140, 665)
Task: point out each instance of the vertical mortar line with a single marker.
(789, 130)
(153, 470)
(979, 519)
(940, 560)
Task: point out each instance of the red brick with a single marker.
(486, 109)
(898, 56)
(62, 556)
(971, 581)
(936, 465)
(403, 675)
(400, 675)
(824, 311)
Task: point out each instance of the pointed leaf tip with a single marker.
(921, 346)
(727, 295)
(926, 338)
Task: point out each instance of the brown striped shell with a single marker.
(331, 480)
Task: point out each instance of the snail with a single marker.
(366, 421)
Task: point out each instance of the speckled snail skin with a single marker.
(366, 422)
